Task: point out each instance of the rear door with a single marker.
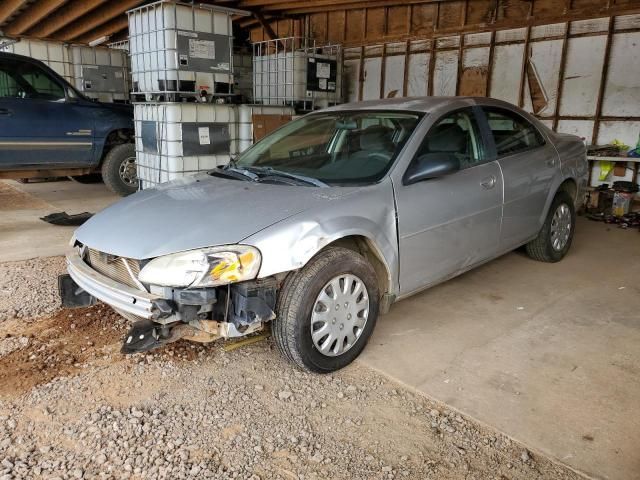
(39, 126)
(528, 163)
(448, 224)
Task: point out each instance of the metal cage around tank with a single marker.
(299, 72)
(181, 50)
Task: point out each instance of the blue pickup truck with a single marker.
(48, 128)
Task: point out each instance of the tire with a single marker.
(554, 240)
(299, 299)
(88, 178)
(120, 182)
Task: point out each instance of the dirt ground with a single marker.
(71, 406)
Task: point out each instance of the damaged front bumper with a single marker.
(201, 315)
(118, 295)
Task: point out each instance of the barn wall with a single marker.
(580, 75)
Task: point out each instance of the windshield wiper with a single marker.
(240, 171)
(270, 171)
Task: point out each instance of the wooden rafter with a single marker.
(9, 7)
(288, 4)
(95, 19)
(267, 26)
(32, 15)
(63, 17)
(106, 29)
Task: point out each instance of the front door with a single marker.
(448, 224)
(39, 126)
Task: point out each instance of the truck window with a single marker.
(8, 86)
(27, 80)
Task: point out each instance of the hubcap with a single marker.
(339, 315)
(128, 172)
(560, 227)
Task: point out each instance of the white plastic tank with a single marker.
(295, 71)
(178, 139)
(54, 54)
(101, 73)
(180, 48)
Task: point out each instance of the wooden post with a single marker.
(563, 65)
(603, 82)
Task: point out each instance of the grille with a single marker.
(114, 267)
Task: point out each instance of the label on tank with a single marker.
(202, 49)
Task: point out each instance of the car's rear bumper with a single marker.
(116, 294)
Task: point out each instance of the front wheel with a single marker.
(555, 237)
(119, 170)
(327, 311)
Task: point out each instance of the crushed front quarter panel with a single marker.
(291, 243)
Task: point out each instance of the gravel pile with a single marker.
(72, 407)
(199, 412)
(29, 289)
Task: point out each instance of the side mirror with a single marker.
(431, 165)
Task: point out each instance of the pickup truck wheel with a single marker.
(555, 237)
(88, 178)
(119, 170)
(327, 311)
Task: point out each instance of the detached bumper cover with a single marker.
(113, 293)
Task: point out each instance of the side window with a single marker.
(511, 132)
(41, 84)
(455, 134)
(8, 86)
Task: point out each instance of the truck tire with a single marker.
(327, 311)
(88, 178)
(119, 170)
(555, 237)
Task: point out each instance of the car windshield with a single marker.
(334, 148)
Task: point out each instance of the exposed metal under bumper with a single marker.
(113, 293)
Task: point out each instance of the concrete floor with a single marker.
(23, 235)
(547, 353)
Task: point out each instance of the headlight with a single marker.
(205, 267)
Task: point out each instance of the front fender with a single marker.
(291, 243)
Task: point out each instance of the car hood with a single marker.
(196, 212)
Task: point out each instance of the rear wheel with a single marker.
(327, 311)
(555, 237)
(119, 170)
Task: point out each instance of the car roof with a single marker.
(420, 104)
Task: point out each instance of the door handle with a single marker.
(5, 112)
(551, 162)
(489, 182)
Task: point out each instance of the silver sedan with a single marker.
(325, 223)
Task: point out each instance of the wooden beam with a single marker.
(106, 29)
(9, 7)
(561, 71)
(96, 18)
(490, 62)
(266, 26)
(603, 81)
(63, 17)
(32, 15)
(286, 4)
(300, 7)
(120, 36)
